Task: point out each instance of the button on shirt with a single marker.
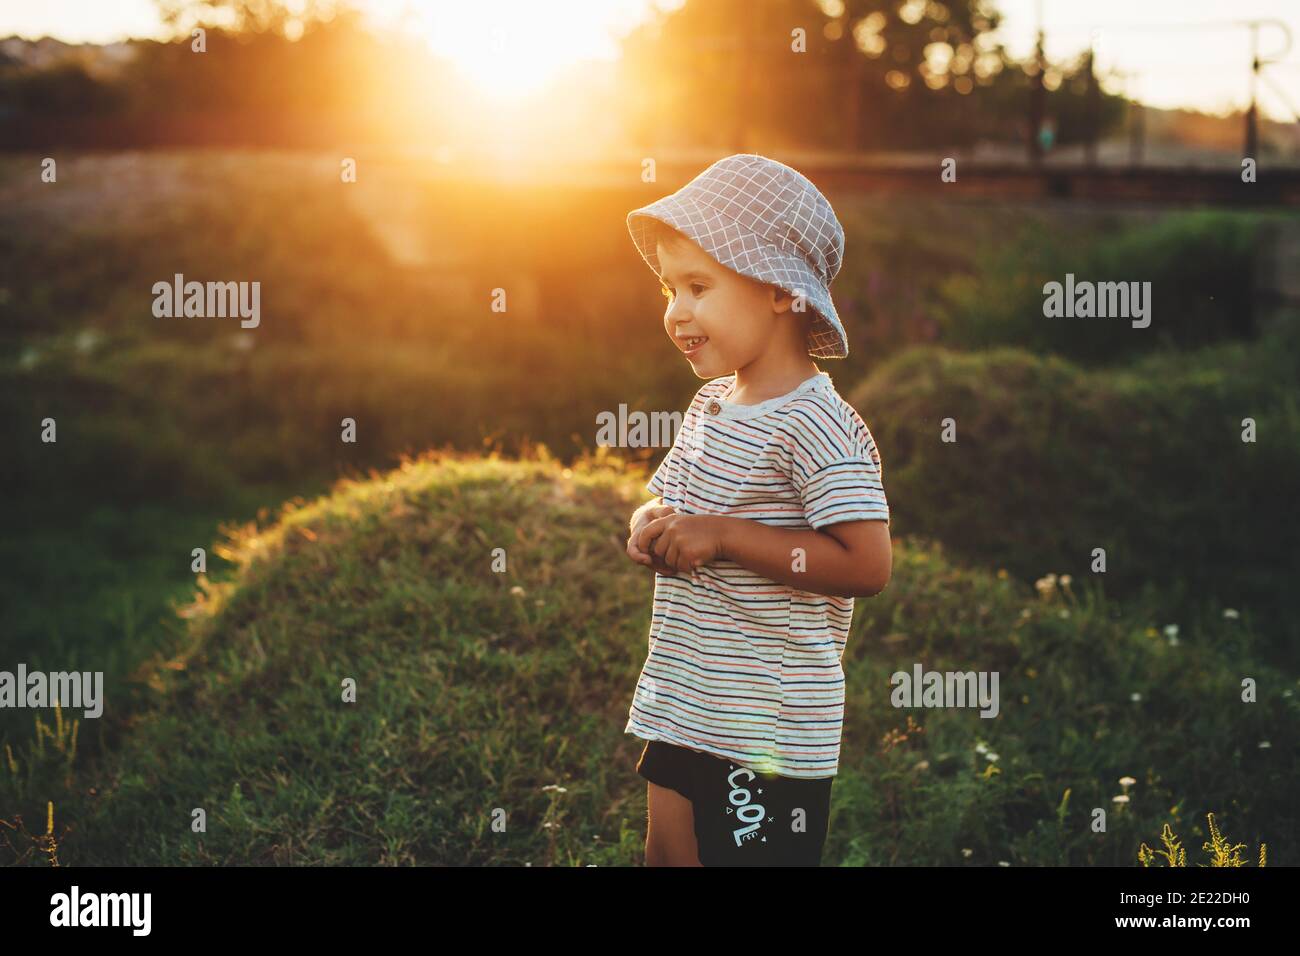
(739, 665)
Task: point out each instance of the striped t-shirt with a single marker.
(742, 666)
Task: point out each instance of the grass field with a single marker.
(478, 690)
(473, 696)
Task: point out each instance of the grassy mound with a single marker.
(1052, 461)
(482, 693)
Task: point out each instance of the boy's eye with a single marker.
(696, 289)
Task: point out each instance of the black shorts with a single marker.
(742, 817)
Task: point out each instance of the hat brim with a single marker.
(743, 251)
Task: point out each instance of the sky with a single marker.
(1180, 53)
(1176, 53)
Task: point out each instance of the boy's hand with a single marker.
(682, 542)
(644, 517)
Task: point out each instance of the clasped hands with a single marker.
(672, 543)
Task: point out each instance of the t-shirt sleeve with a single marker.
(835, 466)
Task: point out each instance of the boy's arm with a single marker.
(845, 559)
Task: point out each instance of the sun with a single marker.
(511, 49)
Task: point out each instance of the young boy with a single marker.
(769, 517)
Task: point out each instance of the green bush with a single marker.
(1200, 266)
(1052, 461)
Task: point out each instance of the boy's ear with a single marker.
(782, 301)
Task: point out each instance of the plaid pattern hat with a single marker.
(764, 220)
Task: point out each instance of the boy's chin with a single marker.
(709, 370)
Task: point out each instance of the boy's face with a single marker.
(720, 320)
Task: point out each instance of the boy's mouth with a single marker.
(692, 344)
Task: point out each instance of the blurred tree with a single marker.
(1068, 103)
(915, 66)
(64, 89)
(872, 75)
(878, 75)
(330, 77)
(288, 18)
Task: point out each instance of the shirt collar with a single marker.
(729, 409)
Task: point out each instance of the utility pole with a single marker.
(1037, 95)
(1093, 107)
(1256, 62)
(1138, 133)
(1252, 114)
(1136, 118)
(857, 76)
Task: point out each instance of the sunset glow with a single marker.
(509, 49)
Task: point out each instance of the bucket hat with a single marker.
(762, 219)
